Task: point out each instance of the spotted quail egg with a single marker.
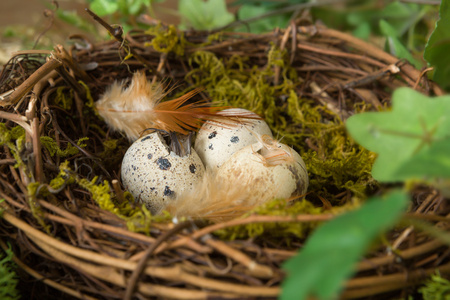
(217, 140)
(269, 168)
(154, 175)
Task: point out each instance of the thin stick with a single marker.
(45, 280)
(411, 72)
(18, 119)
(251, 219)
(256, 269)
(51, 64)
(132, 282)
(117, 34)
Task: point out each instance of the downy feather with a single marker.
(215, 200)
(138, 107)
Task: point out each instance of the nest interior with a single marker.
(73, 227)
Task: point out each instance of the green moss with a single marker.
(334, 162)
(436, 288)
(14, 139)
(275, 207)
(138, 218)
(167, 39)
(90, 102)
(64, 97)
(52, 147)
(35, 208)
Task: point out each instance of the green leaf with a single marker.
(410, 140)
(104, 7)
(395, 46)
(330, 254)
(432, 162)
(265, 24)
(438, 47)
(72, 18)
(362, 31)
(205, 15)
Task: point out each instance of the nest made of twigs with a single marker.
(64, 239)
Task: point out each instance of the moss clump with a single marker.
(167, 39)
(334, 162)
(436, 288)
(277, 207)
(14, 139)
(53, 148)
(64, 97)
(138, 218)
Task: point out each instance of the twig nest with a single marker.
(269, 168)
(154, 175)
(217, 140)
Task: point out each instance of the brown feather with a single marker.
(138, 107)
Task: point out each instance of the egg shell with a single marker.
(247, 168)
(154, 175)
(216, 142)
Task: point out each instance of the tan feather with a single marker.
(216, 200)
(138, 107)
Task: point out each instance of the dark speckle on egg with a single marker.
(146, 138)
(234, 139)
(168, 191)
(212, 135)
(163, 163)
(149, 156)
(210, 147)
(192, 168)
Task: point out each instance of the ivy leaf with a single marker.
(104, 7)
(266, 24)
(72, 18)
(432, 162)
(395, 46)
(205, 15)
(330, 254)
(409, 139)
(438, 47)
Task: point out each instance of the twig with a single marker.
(132, 282)
(29, 83)
(45, 280)
(340, 54)
(117, 34)
(375, 285)
(18, 119)
(371, 50)
(256, 269)
(251, 219)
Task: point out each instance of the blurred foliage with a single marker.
(329, 256)
(411, 140)
(438, 47)
(204, 15)
(8, 278)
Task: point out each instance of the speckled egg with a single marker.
(154, 175)
(270, 170)
(217, 140)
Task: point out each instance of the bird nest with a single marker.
(73, 227)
